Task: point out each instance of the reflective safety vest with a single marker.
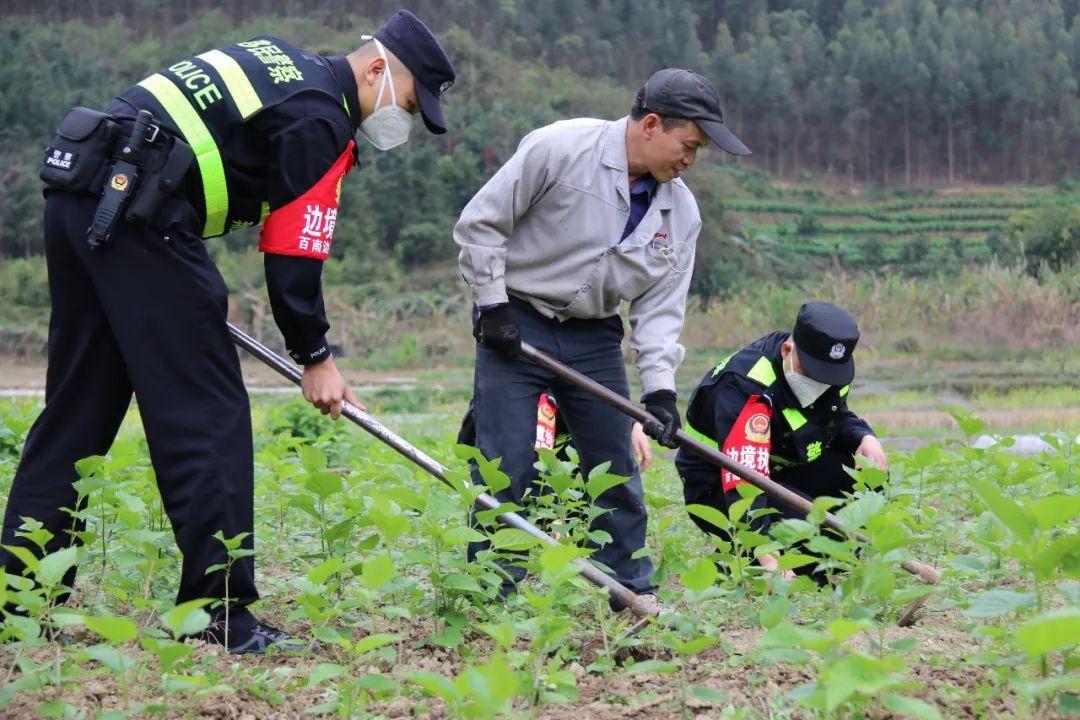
(207, 99)
(801, 441)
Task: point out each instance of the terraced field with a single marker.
(871, 229)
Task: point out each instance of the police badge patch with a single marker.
(757, 428)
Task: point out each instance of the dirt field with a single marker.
(728, 668)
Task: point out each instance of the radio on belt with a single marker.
(121, 181)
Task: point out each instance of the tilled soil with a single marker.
(947, 682)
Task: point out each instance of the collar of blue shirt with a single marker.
(644, 184)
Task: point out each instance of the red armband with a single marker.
(546, 410)
(749, 441)
(305, 227)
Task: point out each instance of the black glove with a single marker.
(498, 331)
(661, 405)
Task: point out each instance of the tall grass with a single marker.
(991, 307)
(423, 320)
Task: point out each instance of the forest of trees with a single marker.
(886, 92)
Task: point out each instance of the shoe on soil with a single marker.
(256, 639)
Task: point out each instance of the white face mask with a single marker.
(806, 390)
(387, 126)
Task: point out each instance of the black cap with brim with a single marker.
(678, 93)
(430, 109)
(841, 373)
(825, 337)
(719, 133)
(416, 47)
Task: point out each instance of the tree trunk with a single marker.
(766, 144)
(851, 155)
(866, 147)
(1025, 160)
(779, 153)
(795, 152)
(907, 143)
(886, 156)
(967, 152)
(949, 146)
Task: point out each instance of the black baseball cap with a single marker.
(825, 337)
(416, 47)
(678, 93)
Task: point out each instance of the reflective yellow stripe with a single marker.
(236, 82)
(762, 372)
(265, 212)
(722, 364)
(700, 437)
(794, 418)
(844, 390)
(207, 155)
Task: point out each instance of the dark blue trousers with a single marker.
(143, 316)
(505, 393)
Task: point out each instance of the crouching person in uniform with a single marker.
(779, 406)
(255, 133)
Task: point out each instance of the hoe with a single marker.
(587, 570)
(590, 572)
(778, 492)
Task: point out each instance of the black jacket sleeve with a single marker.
(852, 429)
(304, 139)
(295, 288)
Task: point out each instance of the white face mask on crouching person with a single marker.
(806, 390)
(387, 126)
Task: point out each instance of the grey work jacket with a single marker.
(546, 228)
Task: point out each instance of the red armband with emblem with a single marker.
(305, 227)
(749, 441)
(546, 410)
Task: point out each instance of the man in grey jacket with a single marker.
(586, 215)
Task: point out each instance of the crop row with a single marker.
(893, 229)
(978, 207)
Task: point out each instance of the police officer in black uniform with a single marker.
(256, 133)
(779, 405)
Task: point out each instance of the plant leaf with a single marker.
(513, 539)
(857, 513)
(52, 567)
(377, 571)
(1007, 511)
(1050, 631)
(599, 483)
(910, 707)
(994, 603)
(702, 574)
(653, 666)
(188, 618)
(114, 629)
